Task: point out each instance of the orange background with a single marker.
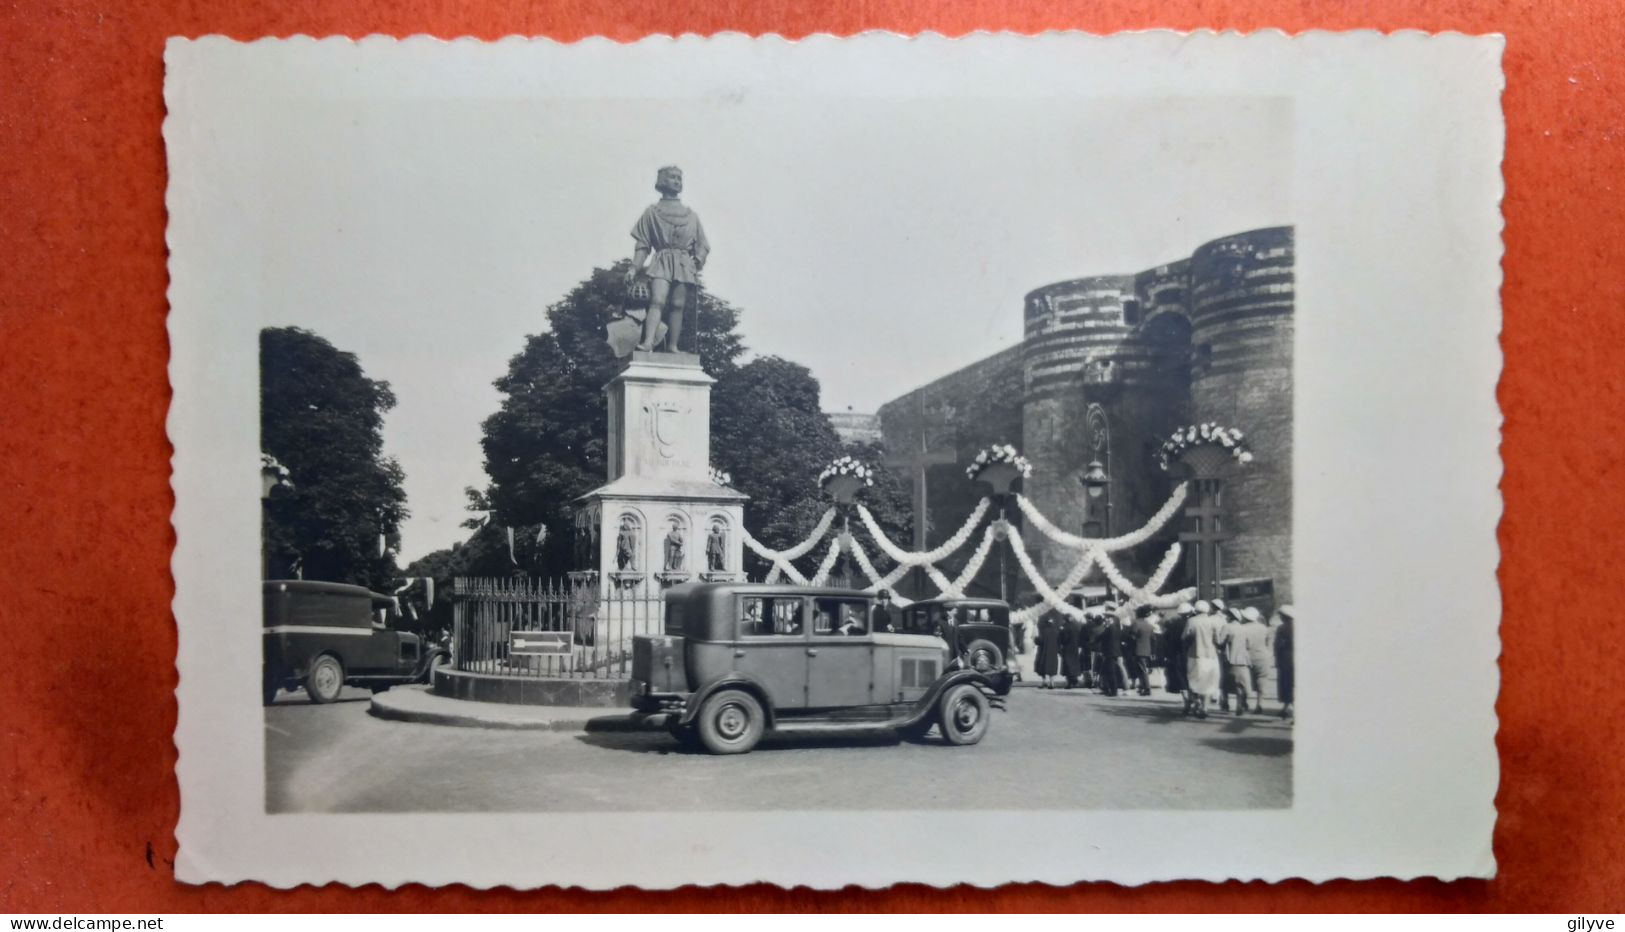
(86, 635)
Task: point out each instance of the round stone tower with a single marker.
(1102, 381)
(1241, 301)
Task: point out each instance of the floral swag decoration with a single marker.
(1197, 435)
(270, 467)
(720, 477)
(846, 466)
(999, 454)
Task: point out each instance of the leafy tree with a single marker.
(547, 443)
(322, 418)
(770, 432)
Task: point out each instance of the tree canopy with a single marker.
(321, 417)
(547, 443)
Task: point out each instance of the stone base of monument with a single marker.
(532, 690)
(661, 520)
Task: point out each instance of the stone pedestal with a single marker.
(659, 487)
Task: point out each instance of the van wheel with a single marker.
(984, 656)
(269, 688)
(438, 660)
(962, 715)
(731, 722)
(325, 679)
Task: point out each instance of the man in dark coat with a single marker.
(1072, 650)
(1144, 635)
(1049, 646)
(1109, 642)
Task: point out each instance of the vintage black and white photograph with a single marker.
(646, 439)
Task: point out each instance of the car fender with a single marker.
(927, 704)
(691, 708)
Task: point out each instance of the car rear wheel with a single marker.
(984, 656)
(962, 715)
(269, 688)
(731, 722)
(325, 679)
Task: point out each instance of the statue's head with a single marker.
(669, 180)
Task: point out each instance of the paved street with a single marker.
(1061, 749)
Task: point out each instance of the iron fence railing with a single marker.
(550, 628)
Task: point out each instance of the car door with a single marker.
(840, 666)
(773, 645)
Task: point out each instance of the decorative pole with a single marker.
(1000, 466)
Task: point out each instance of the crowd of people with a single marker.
(1206, 651)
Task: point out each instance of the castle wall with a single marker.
(962, 412)
(1205, 338)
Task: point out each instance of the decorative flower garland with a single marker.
(1197, 435)
(1105, 544)
(999, 453)
(846, 466)
(974, 564)
(719, 477)
(926, 557)
(821, 577)
(1052, 599)
(793, 553)
(269, 464)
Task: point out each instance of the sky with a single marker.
(881, 243)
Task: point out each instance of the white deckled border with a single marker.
(1397, 188)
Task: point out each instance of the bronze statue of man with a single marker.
(670, 238)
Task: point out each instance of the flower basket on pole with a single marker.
(844, 478)
(1000, 476)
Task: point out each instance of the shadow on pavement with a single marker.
(1255, 746)
(655, 743)
(1167, 714)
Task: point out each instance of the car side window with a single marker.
(770, 617)
(842, 617)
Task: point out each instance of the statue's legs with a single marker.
(659, 288)
(674, 323)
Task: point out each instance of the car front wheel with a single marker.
(731, 722)
(962, 715)
(325, 679)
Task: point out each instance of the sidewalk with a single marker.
(417, 704)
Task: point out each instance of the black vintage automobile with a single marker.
(739, 659)
(321, 635)
(976, 630)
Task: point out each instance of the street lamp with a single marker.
(1095, 479)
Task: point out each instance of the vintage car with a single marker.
(976, 630)
(321, 635)
(737, 660)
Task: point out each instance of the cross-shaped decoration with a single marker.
(1207, 534)
(917, 464)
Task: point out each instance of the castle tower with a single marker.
(1242, 297)
(1103, 382)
